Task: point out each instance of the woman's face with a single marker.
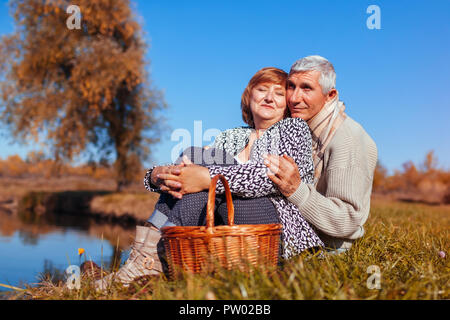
(267, 104)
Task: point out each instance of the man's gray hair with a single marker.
(327, 78)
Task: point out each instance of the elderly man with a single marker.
(337, 203)
(345, 156)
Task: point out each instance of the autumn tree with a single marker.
(379, 177)
(81, 91)
(430, 163)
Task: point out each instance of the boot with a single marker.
(143, 260)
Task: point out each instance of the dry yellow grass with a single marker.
(136, 205)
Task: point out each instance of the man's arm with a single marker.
(342, 210)
(342, 206)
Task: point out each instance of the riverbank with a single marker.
(407, 243)
(97, 198)
(76, 196)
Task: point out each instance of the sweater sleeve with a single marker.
(342, 209)
(250, 180)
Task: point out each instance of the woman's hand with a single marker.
(194, 178)
(284, 173)
(169, 185)
(191, 179)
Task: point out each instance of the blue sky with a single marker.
(394, 81)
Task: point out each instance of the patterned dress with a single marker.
(290, 136)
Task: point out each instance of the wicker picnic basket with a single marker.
(202, 248)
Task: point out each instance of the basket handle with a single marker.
(211, 201)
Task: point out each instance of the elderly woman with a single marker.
(239, 155)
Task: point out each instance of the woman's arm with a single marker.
(154, 184)
(167, 183)
(250, 180)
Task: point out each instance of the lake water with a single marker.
(33, 246)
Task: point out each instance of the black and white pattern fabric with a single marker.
(191, 209)
(289, 136)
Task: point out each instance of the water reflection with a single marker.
(32, 244)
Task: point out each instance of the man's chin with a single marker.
(298, 115)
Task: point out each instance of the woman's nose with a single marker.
(269, 96)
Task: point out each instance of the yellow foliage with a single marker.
(73, 84)
(15, 167)
(428, 182)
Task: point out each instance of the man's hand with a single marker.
(284, 173)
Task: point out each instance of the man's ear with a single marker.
(331, 94)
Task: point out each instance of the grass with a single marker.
(403, 240)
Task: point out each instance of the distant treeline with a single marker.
(425, 182)
(36, 165)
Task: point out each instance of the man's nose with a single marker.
(296, 97)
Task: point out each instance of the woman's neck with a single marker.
(259, 132)
(262, 126)
(256, 133)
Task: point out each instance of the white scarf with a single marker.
(323, 127)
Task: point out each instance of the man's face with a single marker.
(304, 94)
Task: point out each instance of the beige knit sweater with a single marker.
(339, 206)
